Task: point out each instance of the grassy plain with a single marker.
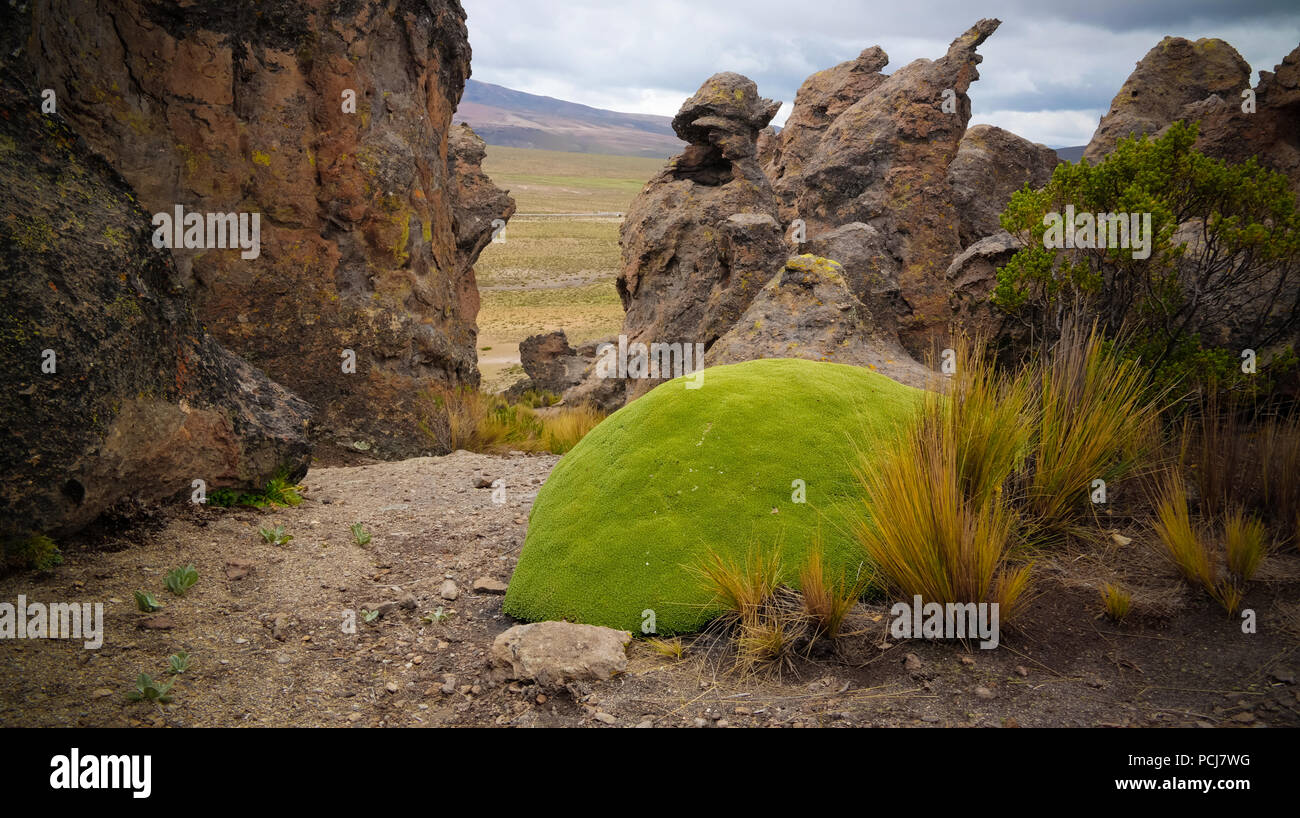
(554, 271)
(559, 182)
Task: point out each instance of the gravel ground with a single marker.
(267, 629)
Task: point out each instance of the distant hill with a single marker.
(513, 119)
(1071, 154)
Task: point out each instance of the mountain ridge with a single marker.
(516, 119)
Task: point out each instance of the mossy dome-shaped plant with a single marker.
(629, 514)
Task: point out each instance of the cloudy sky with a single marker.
(1048, 74)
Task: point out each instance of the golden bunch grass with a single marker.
(1097, 419)
(765, 618)
(988, 419)
(827, 602)
(744, 587)
(936, 523)
(1182, 539)
(563, 428)
(768, 638)
(1228, 594)
(1245, 541)
(466, 418)
(668, 648)
(1116, 601)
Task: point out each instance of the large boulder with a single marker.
(551, 364)
(990, 165)
(683, 472)
(1174, 74)
(870, 270)
(884, 161)
(702, 237)
(364, 242)
(110, 388)
(807, 311)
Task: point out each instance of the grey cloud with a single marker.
(649, 55)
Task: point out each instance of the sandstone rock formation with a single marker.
(551, 364)
(863, 163)
(765, 149)
(807, 311)
(971, 279)
(333, 121)
(820, 100)
(476, 204)
(883, 161)
(870, 271)
(1271, 133)
(1174, 74)
(990, 165)
(703, 236)
(109, 386)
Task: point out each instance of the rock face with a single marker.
(1174, 74)
(971, 279)
(883, 161)
(806, 311)
(477, 203)
(556, 653)
(703, 236)
(332, 121)
(819, 101)
(110, 388)
(990, 165)
(1271, 134)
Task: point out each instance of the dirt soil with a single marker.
(265, 627)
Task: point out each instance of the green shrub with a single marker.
(359, 534)
(147, 602)
(146, 689)
(1240, 270)
(35, 551)
(278, 491)
(275, 536)
(178, 663)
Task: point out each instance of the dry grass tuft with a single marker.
(1116, 601)
(937, 520)
(1182, 539)
(465, 418)
(1097, 421)
(668, 648)
(1245, 541)
(827, 602)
